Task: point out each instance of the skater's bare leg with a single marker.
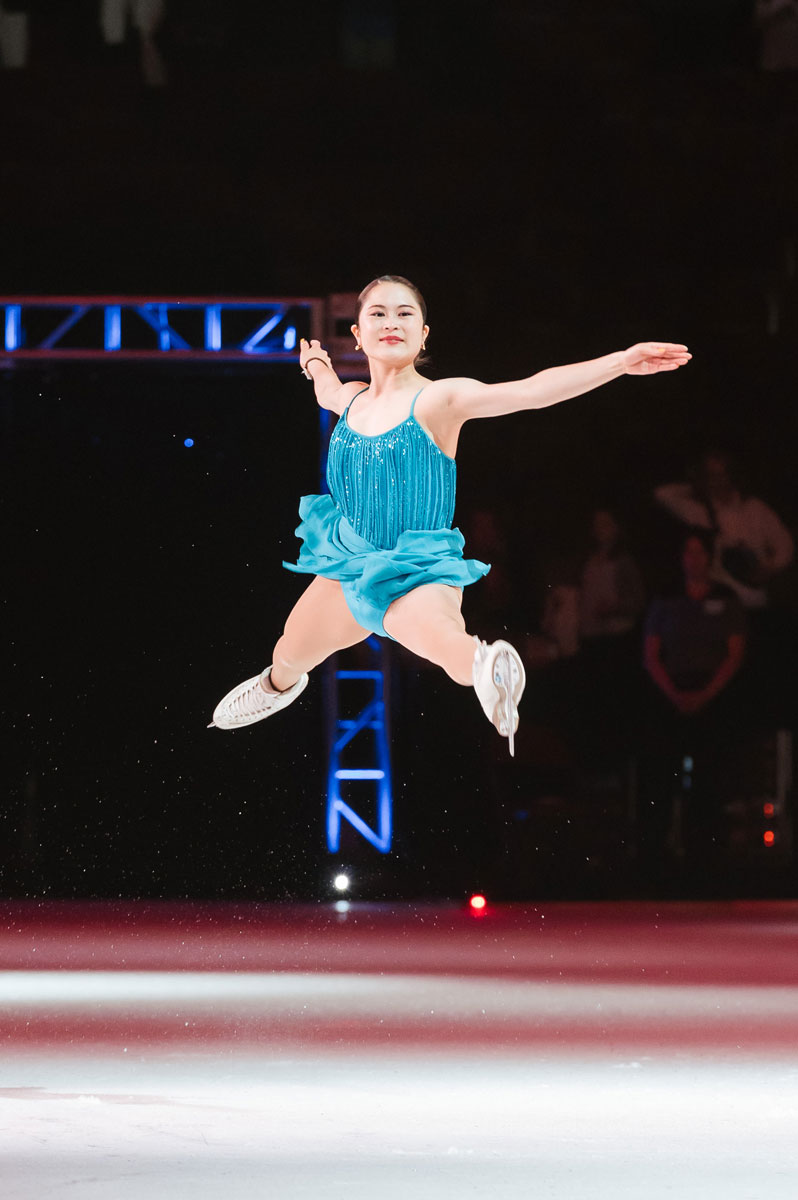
(428, 621)
(319, 624)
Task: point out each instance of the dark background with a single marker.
(561, 180)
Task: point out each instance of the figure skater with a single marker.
(381, 547)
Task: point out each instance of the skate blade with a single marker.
(508, 686)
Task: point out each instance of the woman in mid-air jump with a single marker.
(381, 547)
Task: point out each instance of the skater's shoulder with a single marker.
(352, 388)
(338, 401)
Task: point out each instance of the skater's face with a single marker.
(390, 325)
(695, 560)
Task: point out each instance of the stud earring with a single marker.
(358, 346)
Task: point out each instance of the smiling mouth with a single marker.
(391, 339)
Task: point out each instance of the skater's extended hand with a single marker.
(648, 358)
(313, 350)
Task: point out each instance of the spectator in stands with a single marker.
(752, 548)
(14, 36)
(611, 602)
(694, 641)
(752, 544)
(778, 23)
(611, 594)
(694, 644)
(146, 16)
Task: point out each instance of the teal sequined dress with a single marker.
(386, 526)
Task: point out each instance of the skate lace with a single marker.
(251, 702)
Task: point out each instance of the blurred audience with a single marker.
(14, 37)
(694, 644)
(752, 544)
(559, 624)
(611, 602)
(146, 16)
(753, 547)
(611, 596)
(694, 641)
(778, 24)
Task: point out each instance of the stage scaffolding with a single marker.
(263, 330)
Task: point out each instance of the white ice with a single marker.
(208, 1085)
(202, 1126)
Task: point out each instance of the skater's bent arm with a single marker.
(315, 362)
(469, 398)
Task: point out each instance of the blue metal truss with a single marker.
(352, 733)
(37, 328)
(130, 327)
(372, 718)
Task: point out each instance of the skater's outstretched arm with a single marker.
(469, 398)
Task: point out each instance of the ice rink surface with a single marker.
(562, 1050)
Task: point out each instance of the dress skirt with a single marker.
(373, 578)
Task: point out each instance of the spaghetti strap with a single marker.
(413, 405)
(354, 398)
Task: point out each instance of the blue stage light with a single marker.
(213, 327)
(188, 442)
(13, 327)
(113, 328)
(289, 338)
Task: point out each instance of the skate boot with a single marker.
(499, 680)
(249, 702)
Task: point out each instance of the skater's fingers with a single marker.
(312, 349)
(663, 350)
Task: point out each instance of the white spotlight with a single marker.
(341, 883)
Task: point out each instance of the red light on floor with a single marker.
(477, 903)
(769, 809)
(768, 837)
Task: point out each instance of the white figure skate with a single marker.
(499, 681)
(250, 702)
